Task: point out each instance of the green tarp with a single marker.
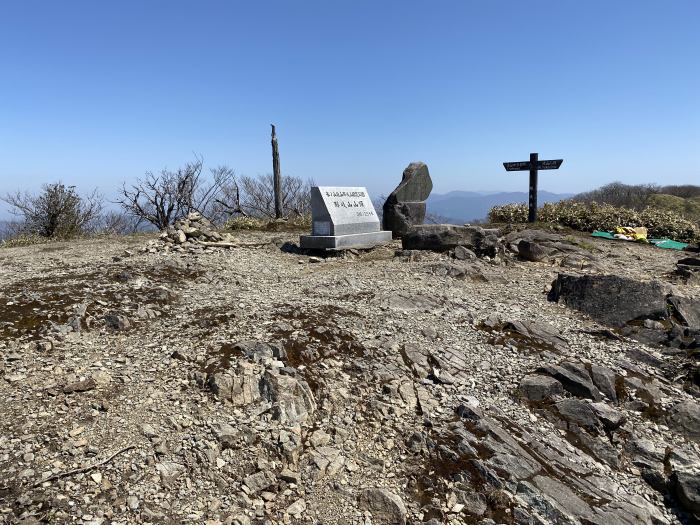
(667, 244)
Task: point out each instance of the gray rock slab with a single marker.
(344, 242)
(611, 299)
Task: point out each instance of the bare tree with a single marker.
(228, 202)
(118, 223)
(162, 198)
(619, 194)
(685, 191)
(59, 211)
(256, 196)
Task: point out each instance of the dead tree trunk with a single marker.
(276, 176)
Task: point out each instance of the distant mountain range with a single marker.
(470, 206)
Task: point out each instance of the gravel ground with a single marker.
(114, 362)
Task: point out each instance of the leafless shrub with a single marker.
(162, 198)
(635, 197)
(58, 211)
(435, 218)
(254, 196)
(118, 223)
(685, 191)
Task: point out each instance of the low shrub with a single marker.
(20, 240)
(593, 216)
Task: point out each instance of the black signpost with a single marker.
(533, 166)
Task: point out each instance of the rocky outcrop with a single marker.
(542, 246)
(405, 206)
(611, 299)
(444, 237)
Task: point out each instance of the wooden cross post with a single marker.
(533, 166)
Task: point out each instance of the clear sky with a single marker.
(95, 93)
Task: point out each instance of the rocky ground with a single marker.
(170, 382)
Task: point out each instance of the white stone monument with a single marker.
(343, 218)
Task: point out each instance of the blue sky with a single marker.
(96, 93)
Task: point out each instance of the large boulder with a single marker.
(611, 299)
(444, 237)
(405, 206)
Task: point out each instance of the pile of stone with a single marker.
(194, 231)
(192, 228)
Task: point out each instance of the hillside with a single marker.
(469, 206)
(688, 207)
(144, 383)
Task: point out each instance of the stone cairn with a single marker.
(192, 231)
(405, 207)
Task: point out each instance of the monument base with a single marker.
(344, 242)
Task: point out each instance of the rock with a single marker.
(80, 386)
(170, 472)
(226, 434)
(685, 417)
(443, 237)
(259, 481)
(567, 500)
(463, 253)
(577, 411)
(133, 502)
(611, 418)
(258, 350)
(604, 379)
(687, 309)
(474, 502)
(645, 454)
(688, 269)
(117, 321)
(297, 508)
(415, 185)
(531, 251)
(537, 334)
(540, 387)
(193, 228)
(611, 299)
(149, 431)
(405, 206)
(514, 237)
(289, 476)
(319, 438)
(400, 217)
(686, 488)
(385, 506)
(573, 382)
(292, 399)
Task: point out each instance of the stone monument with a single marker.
(405, 207)
(343, 218)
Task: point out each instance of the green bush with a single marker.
(589, 217)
